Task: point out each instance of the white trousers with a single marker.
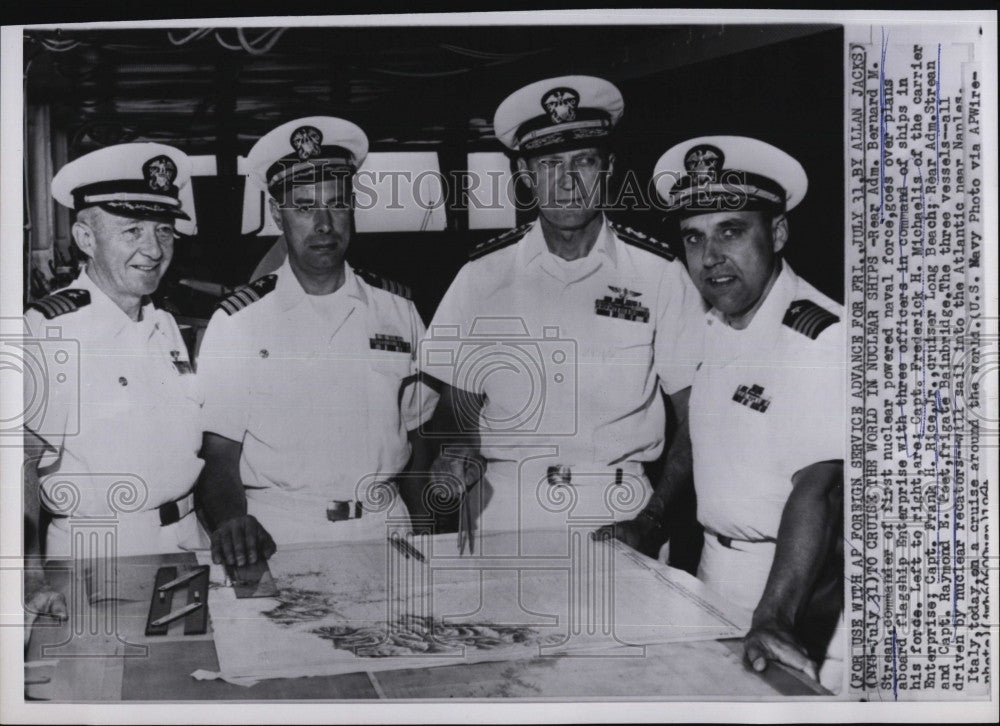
(740, 573)
(295, 521)
(519, 496)
(522, 495)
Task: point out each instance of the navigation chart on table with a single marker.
(368, 606)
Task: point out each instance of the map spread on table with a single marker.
(367, 606)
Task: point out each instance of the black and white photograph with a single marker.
(576, 362)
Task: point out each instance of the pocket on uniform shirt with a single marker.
(619, 338)
(392, 365)
(385, 384)
(188, 385)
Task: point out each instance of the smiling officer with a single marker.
(768, 399)
(309, 376)
(122, 439)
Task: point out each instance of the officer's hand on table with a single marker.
(773, 640)
(644, 533)
(629, 531)
(240, 541)
(456, 473)
(41, 599)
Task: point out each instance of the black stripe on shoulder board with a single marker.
(808, 318)
(384, 283)
(511, 236)
(62, 302)
(248, 294)
(640, 239)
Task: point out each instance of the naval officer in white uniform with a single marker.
(309, 374)
(767, 408)
(115, 432)
(555, 339)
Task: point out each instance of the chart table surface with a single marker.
(91, 666)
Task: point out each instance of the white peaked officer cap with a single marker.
(728, 173)
(306, 151)
(558, 114)
(140, 180)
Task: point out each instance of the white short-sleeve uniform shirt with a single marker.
(766, 402)
(321, 391)
(118, 407)
(569, 355)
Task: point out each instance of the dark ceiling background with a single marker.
(217, 90)
(197, 87)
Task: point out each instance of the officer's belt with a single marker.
(338, 511)
(562, 475)
(572, 474)
(175, 511)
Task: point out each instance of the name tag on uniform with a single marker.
(752, 397)
(391, 343)
(622, 305)
(182, 366)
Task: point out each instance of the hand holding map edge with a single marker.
(241, 540)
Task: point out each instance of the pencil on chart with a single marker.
(465, 527)
(398, 545)
(187, 577)
(468, 528)
(170, 617)
(411, 550)
(461, 527)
